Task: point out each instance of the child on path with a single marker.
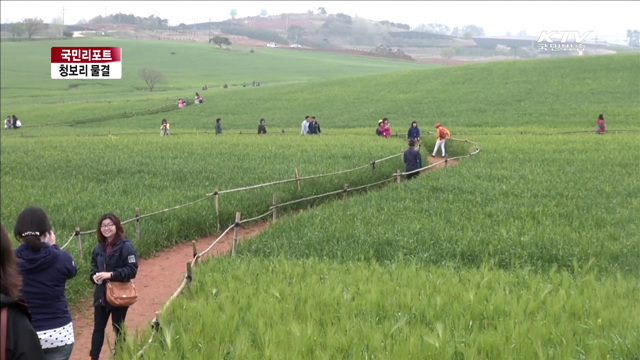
(412, 159)
(218, 126)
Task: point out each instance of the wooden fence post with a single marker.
(235, 233)
(79, 242)
(195, 250)
(275, 207)
(297, 178)
(398, 176)
(189, 278)
(344, 191)
(446, 163)
(217, 206)
(137, 224)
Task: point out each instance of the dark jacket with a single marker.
(412, 159)
(122, 261)
(413, 133)
(22, 339)
(44, 275)
(314, 128)
(262, 129)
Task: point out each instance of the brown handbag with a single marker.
(121, 294)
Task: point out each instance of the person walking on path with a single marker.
(305, 125)
(45, 269)
(262, 128)
(412, 159)
(114, 259)
(442, 134)
(414, 132)
(314, 126)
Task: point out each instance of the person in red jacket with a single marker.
(602, 125)
(385, 130)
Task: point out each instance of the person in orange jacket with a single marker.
(442, 134)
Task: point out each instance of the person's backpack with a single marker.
(444, 133)
(601, 125)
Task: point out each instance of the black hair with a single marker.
(601, 117)
(32, 223)
(218, 120)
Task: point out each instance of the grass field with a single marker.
(529, 250)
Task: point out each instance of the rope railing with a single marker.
(257, 217)
(220, 192)
(68, 242)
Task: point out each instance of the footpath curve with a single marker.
(157, 280)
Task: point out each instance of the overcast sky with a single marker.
(607, 19)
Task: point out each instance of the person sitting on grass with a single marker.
(181, 104)
(384, 128)
(7, 122)
(199, 99)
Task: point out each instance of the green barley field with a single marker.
(528, 250)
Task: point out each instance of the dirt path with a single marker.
(158, 278)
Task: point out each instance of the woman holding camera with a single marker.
(45, 269)
(114, 259)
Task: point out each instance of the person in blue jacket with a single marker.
(414, 132)
(412, 159)
(45, 269)
(114, 259)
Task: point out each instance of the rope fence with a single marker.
(155, 323)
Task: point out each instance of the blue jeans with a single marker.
(58, 353)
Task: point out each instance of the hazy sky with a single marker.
(607, 19)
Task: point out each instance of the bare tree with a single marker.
(16, 29)
(150, 76)
(32, 26)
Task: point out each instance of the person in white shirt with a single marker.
(305, 126)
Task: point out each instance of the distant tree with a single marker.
(295, 33)
(32, 26)
(469, 31)
(522, 33)
(437, 28)
(322, 11)
(233, 13)
(219, 40)
(57, 26)
(67, 34)
(634, 38)
(150, 76)
(448, 52)
(82, 21)
(456, 32)
(16, 29)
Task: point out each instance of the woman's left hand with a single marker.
(102, 276)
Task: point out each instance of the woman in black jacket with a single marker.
(114, 259)
(20, 337)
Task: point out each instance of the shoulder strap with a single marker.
(3, 335)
